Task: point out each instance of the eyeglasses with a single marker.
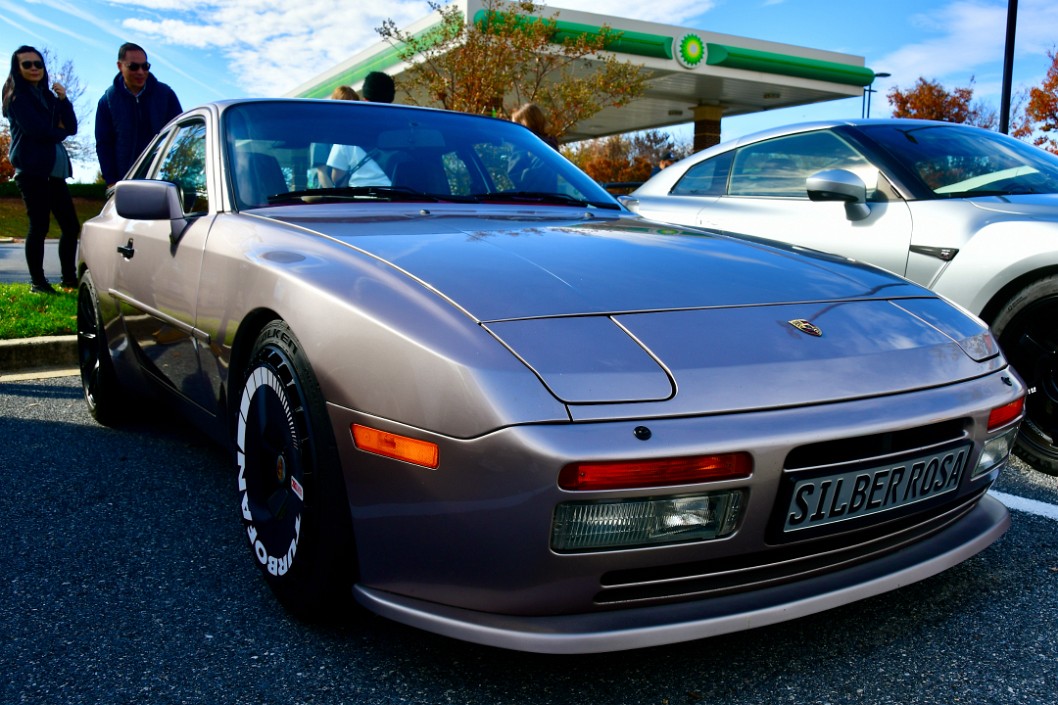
(133, 66)
(32, 65)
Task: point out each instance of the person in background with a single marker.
(525, 168)
(348, 164)
(666, 161)
(40, 120)
(344, 93)
(530, 115)
(131, 112)
(378, 87)
(319, 172)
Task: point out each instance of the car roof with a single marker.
(795, 128)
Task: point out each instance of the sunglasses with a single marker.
(32, 65)
(133, 66)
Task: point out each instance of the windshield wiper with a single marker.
(540, 197)
(352, 193)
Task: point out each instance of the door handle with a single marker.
(127, 250)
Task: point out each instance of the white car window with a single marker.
(779, 167)
(708, 178)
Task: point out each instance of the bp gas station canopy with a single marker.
(694, 75)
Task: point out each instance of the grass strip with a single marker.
(24, 314)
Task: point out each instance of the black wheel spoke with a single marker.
(1029, 336)
(277, 501)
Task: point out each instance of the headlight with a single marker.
(644, 521)
(995, 452)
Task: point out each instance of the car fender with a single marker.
(999, 253)
(379, 341)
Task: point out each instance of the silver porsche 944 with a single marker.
(467, 388)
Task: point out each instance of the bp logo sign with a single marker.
(689, 50)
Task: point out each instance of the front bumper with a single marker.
(641, 627)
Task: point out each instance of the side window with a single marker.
(148, 160)
(779, 167)
(184, 164)
(708, 178)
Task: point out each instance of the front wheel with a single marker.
(102, 392)
(1027, 327)
(293, 499)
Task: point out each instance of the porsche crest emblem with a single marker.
(806, 327)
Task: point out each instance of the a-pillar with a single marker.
(707, 126)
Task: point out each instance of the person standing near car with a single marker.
(378, 87)
(665, 162)
(40, 120)
(130, 113)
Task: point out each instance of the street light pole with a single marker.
(1008, 67)
(868, 92)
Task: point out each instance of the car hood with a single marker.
(543, 267)
(1041, 206)
(622, 310)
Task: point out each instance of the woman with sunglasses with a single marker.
(40, 120)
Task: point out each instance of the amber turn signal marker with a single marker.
(654, 473)
(390, 445)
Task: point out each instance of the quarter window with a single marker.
(708, 178)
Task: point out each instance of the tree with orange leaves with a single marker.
(7, 172)
(1041, 111)
(929, 100)
(624, 158)
(508, 56)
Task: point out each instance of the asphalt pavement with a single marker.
(128, 579)
(13, 261)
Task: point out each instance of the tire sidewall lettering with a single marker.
(263, 379)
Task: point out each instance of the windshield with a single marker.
(958, 161)
(309, 151)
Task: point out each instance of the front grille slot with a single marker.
(880, 445)
(779, 565)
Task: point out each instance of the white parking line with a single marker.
(1032, 506)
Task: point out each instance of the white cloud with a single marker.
(271, 45)
(969, 39)
(21, 10)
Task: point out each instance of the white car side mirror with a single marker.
(840, 185)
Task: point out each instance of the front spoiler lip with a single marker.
(635, 628)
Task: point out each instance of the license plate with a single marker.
(819, 501)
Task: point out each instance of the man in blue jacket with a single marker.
(130, 113)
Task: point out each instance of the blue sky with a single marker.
(211, 49)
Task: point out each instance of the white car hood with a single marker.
(1041, 206)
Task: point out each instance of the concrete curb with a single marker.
(28, 354)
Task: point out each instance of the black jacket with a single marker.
(125, 124)
(35, 119)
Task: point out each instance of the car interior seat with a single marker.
(421, 172)
(257, 176)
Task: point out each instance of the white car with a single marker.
(969, 213)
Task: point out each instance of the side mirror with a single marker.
(840, 185)
(151, 200)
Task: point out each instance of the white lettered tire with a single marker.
(292, 497)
